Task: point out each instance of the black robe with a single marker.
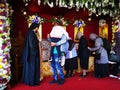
(31, 59)
(83, 53)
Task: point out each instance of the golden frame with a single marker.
(75, 32)
(103, 31)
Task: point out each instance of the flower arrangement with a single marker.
(79, 23)
(64, 22)
(5, 45)
(61, 19)
(36, 19)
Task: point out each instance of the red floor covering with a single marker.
(74, 83)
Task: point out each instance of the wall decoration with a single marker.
(76, 29)
(103, 31)
(78, 26)
(103, 28)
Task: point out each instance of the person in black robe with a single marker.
(83, 53)
(31, 57)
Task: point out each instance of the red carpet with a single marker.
(75, 83)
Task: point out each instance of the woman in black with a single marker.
(83, 53)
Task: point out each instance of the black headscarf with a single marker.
(33, 26)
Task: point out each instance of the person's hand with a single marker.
(48, 35)
(89, 48)
(93, 53)
(39, 39)
(53, 44)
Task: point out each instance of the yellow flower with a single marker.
(6, 63)
(0, 60)
(6, 76)
(1, 23)
(1, 66)
(2, 5)
(2, 74)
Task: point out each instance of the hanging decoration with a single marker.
(5, 45)
(111, 7)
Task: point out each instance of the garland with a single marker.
(5, 45)
(99, 7)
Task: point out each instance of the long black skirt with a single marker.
(71, 64)
(101, 70)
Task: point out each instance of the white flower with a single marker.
(1, 41)
(1, 28)
(5, 72)
(1, 51)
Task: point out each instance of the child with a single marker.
(71, 59)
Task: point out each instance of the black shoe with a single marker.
(61, 81)
(37, 83)
(98, 76)
(71, 75)
(67, 76)
(53, 81)
(31, 84)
